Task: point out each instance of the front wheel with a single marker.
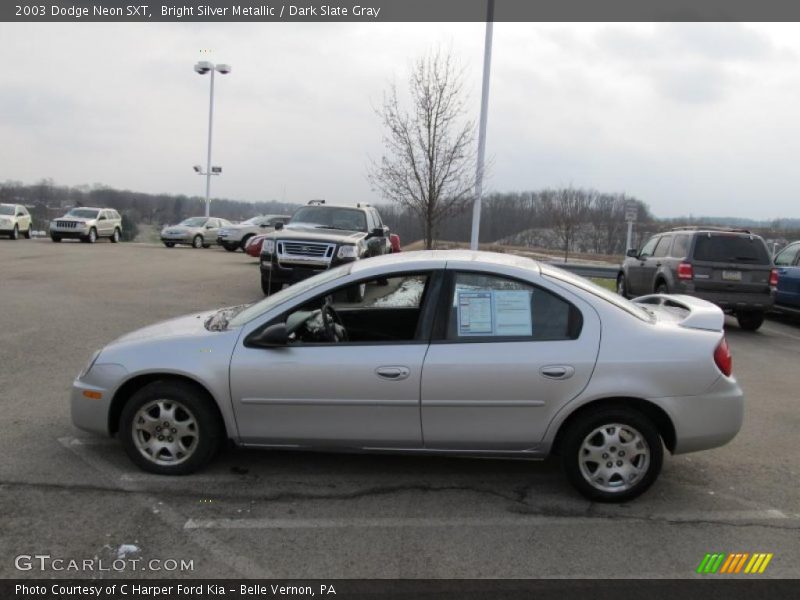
(197, 242)
(169, 244)
(622, 285)
(55, 238)
(230, 247)
(270, 287)
(750, 320)
(612, 454)
(115, 236)
(170, 428)
(92, 237)
(15, 233)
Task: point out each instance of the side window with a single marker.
(488, 307)
(788, 256)
(680, 249)
(383, 310)
(648, 248)
(102, 216)
(377, 216)
(662, 249)
(370, 220)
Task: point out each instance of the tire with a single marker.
(594, 429)
(186, 409)
(243, 243)
(115, 236)
(29, 233)
(230, 248)
(55, 238)
(270, 287)
(92, 237)
(169, 244)
(750, 320)
(14, 233)
(661, 288)
(197, 241)
(622, 285)
(355, 294)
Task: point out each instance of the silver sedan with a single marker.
(449, 352)
(198, 232)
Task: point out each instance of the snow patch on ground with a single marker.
(408, 295)
(126, 550)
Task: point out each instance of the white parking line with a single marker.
(721, 517)
(779, 332)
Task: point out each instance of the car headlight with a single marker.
(89, 365)
(5, 221)
(268, 247)
(347, 252)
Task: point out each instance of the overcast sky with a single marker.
(691, 118)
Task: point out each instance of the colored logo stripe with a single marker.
(722, 563)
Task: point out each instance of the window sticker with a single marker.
(494, 313)
(512, 309)
(475, 313)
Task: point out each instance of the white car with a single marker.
(447, 352)
(15, 220)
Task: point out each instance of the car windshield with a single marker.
(193, 222)
(332, 217)
(252, 221)
(6, 210)
(731, 248)
(601, 292)
(83, 213)
(259, 308)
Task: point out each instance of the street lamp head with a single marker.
(197, 168)
(203, 67)
(223, 69)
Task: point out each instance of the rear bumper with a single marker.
(730, 301)
(706, 421)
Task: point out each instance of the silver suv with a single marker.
(87, 224)
(15, 220)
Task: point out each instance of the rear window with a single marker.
(731, 248)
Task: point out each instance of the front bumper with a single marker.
(90, 398)
(294, 273)
(177, 238)
(76, 233)
(709, 420)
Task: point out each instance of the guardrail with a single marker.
(598, 271)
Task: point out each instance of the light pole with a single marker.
(487, 65)
(202, 68)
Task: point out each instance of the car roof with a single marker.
(421, 259)
(89, 208)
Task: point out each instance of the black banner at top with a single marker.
(397, 10)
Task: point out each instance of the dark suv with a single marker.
(730, 267)
(320, 236)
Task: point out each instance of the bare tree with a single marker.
(568, 209)
(428, 164)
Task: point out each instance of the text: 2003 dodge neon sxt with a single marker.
(449, 352)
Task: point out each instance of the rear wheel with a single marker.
(197, 242)
(170, 428)
(612, 454)
(244, 242)
(661, 288)
(622, 285)
(115, 236)
(29, 232)
(750, 320)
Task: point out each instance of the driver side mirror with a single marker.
(274, 336)
(632, 253)
(377, 232)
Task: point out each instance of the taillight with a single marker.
(685, 271)
(723, 358)
(773, 278)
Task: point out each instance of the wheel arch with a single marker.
(132, 385)
(660, 419)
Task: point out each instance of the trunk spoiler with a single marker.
(702, 314)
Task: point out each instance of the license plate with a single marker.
(732, 275)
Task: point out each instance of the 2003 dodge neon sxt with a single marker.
(448, 352)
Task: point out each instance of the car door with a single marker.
(505, 357)
(23, 219)
(358, 393)
(787, 262)
(637, 269)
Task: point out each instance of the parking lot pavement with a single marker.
(279, 514)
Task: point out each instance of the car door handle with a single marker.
(393, 373)
(557, 371)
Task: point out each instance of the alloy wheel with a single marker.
(165, 432)
(614, 457)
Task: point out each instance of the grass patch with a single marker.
(609, 284)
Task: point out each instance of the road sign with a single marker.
(631, 211)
